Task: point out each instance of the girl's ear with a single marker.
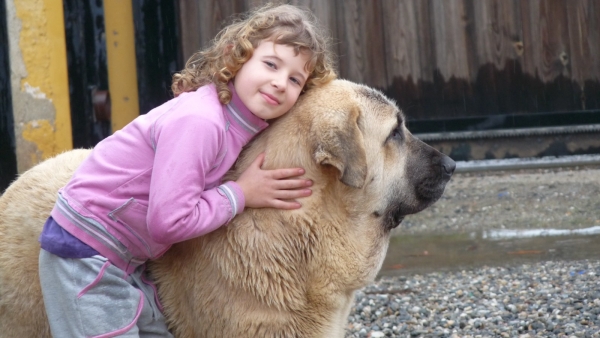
(228, 49)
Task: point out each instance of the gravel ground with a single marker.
(550, 299)
(566, 198)
(538, 299)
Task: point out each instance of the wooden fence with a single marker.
(450, 58)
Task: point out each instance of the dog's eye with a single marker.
(397, 134)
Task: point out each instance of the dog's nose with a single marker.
(448, 165)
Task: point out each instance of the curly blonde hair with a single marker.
(234, 45)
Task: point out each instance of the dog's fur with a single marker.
(269, 273)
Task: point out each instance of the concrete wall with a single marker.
(39, 80)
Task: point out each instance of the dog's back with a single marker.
(24, 207)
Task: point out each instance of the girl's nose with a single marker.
(279, 82)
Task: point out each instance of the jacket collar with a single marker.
(241, 118)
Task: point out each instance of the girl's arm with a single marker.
(179, 208)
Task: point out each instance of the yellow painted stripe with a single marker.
(43, 47)
(59, 74)
(122, 71)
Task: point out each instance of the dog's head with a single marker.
(353, 142)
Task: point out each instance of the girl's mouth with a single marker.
(270, 99)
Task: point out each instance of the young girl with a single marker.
(158, 180)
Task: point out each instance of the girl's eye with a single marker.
(296, 81)
(270, 64)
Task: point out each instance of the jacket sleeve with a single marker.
(179, 208)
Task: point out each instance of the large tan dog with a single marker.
(269, 273)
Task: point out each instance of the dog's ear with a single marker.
(338, 142)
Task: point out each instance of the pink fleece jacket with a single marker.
(158, 180)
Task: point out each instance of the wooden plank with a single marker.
(545, 38)
(409, 56)
(324, 11)
(215, 14)
(531, 45)
(448, 96)
(426, 39)
(257, 3)
(495, 48)
(189, 28)
(594, 36)
(360, 31)
(201, 20)
(448, 21)
(497, 29)
(557, 48)
(401, 40)
(583, 26)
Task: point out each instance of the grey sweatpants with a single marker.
(90, 297)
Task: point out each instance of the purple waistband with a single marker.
(58, 241)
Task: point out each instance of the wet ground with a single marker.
(501, 218)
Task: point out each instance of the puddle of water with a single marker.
(428, 253)
(525, 233)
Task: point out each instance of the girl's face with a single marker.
(270, 82)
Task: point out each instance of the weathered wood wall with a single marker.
(450, 58)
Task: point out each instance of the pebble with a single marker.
(545, 299)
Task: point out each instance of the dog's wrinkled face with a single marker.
(410, 174)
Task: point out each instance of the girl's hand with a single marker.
(273, 188)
